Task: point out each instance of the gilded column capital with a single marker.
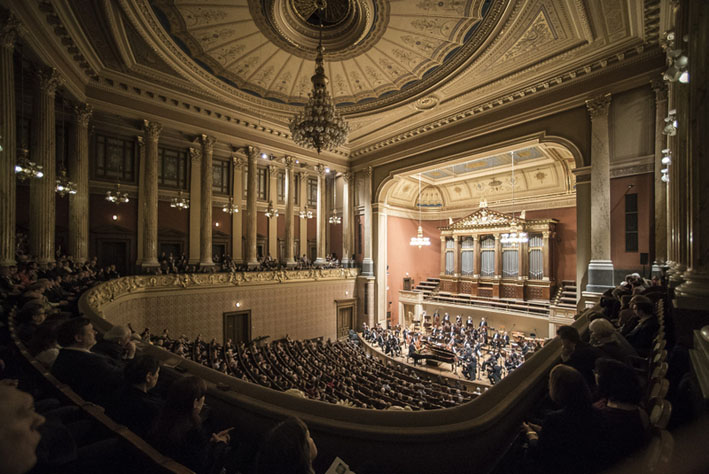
(49, 80)
(272, 170)
(348, 176)
(289, 161)
(546, 234)
(83, 113)
(207, 142)
(152, 130)
(252, 152)
(238, 161)
(141, 141)
(598, 106)
(320, 169)
(369, 171)
(195, 155)
(660, 88)
(10, 28)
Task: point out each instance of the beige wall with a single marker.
(300, 310)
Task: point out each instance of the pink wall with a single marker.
(313, 227)
(643, 186)
(172, 218)
(402, 258)
(262, 224)
(565, 255)
(335, 239)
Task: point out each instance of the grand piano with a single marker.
(435, 352)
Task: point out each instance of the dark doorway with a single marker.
(168, 248)
(237, 326)
(113, 252)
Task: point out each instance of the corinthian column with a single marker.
(42, 191)
(195, 210)
(237, 222)
(205, 235)
(79, 174)
(693, 293)
(347, 218)
(660, 257)
(150, 195)
(290, 203)
(322, 218)
(8, 32)
(251, 193)
(600, 268)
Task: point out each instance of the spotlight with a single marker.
(264, 155)
(665, 178)
(664, 171)
(666, 158)
(114, 217)
(684, 77)
(327, 170)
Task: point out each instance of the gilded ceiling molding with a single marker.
(635, 54)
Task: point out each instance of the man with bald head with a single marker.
(19, 435)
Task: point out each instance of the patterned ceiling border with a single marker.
(628, 56)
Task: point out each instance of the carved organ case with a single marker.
(488, 255)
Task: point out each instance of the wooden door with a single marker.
(345, 321)
(237, 326)
(113, 252)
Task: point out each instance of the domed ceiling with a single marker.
(377, 52)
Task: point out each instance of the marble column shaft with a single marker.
(321, 215)
(498, 256)
(347, 217)
(477, 256)
(660, 257)
(150, 195)
(443, 255)
(43, 152)
(303, 236)
(237, 222)
(205, 204)
(195, 211)
(251, 194)
(694, 292)
(367, 262)
(600, 274)
(79, 174)
(290, 209)
(273, 221)
(8, 32)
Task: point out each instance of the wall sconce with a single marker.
(114, 217)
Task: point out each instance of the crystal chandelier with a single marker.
(419, 240)
(231, 207)
(319, 125)
(64, 186)
(271, 211)
(25, 169)
(180, 202)
(116, 196)
(305, 213)
(516, 236)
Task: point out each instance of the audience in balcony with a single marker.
(287, 449)
(606, 337)
(578, 354)
(94, 377)
(135, 406)
(116, 344)
(179, 432)
(645, 327)
(19, 430)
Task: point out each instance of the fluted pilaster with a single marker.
(205, 204)
(660, 257)
(321, 215)
(42, 191)
(367, 261)
(150, 195)
(251, 193)
(9, 26)
(79, 174)
(290, 204)
(237, 218)
(195, 208)
(600, 268)
(347, 218)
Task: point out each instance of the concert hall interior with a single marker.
(443, 235)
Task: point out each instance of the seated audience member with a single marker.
(578, 354)
(642, 335)
(135, 407)
(569, 439)
(43, 345)
(116, 344)
(605, 337)
(178, 431)
(287, 449)
(627, 425)
(92, 376)
(29, 319)
(19, 435)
